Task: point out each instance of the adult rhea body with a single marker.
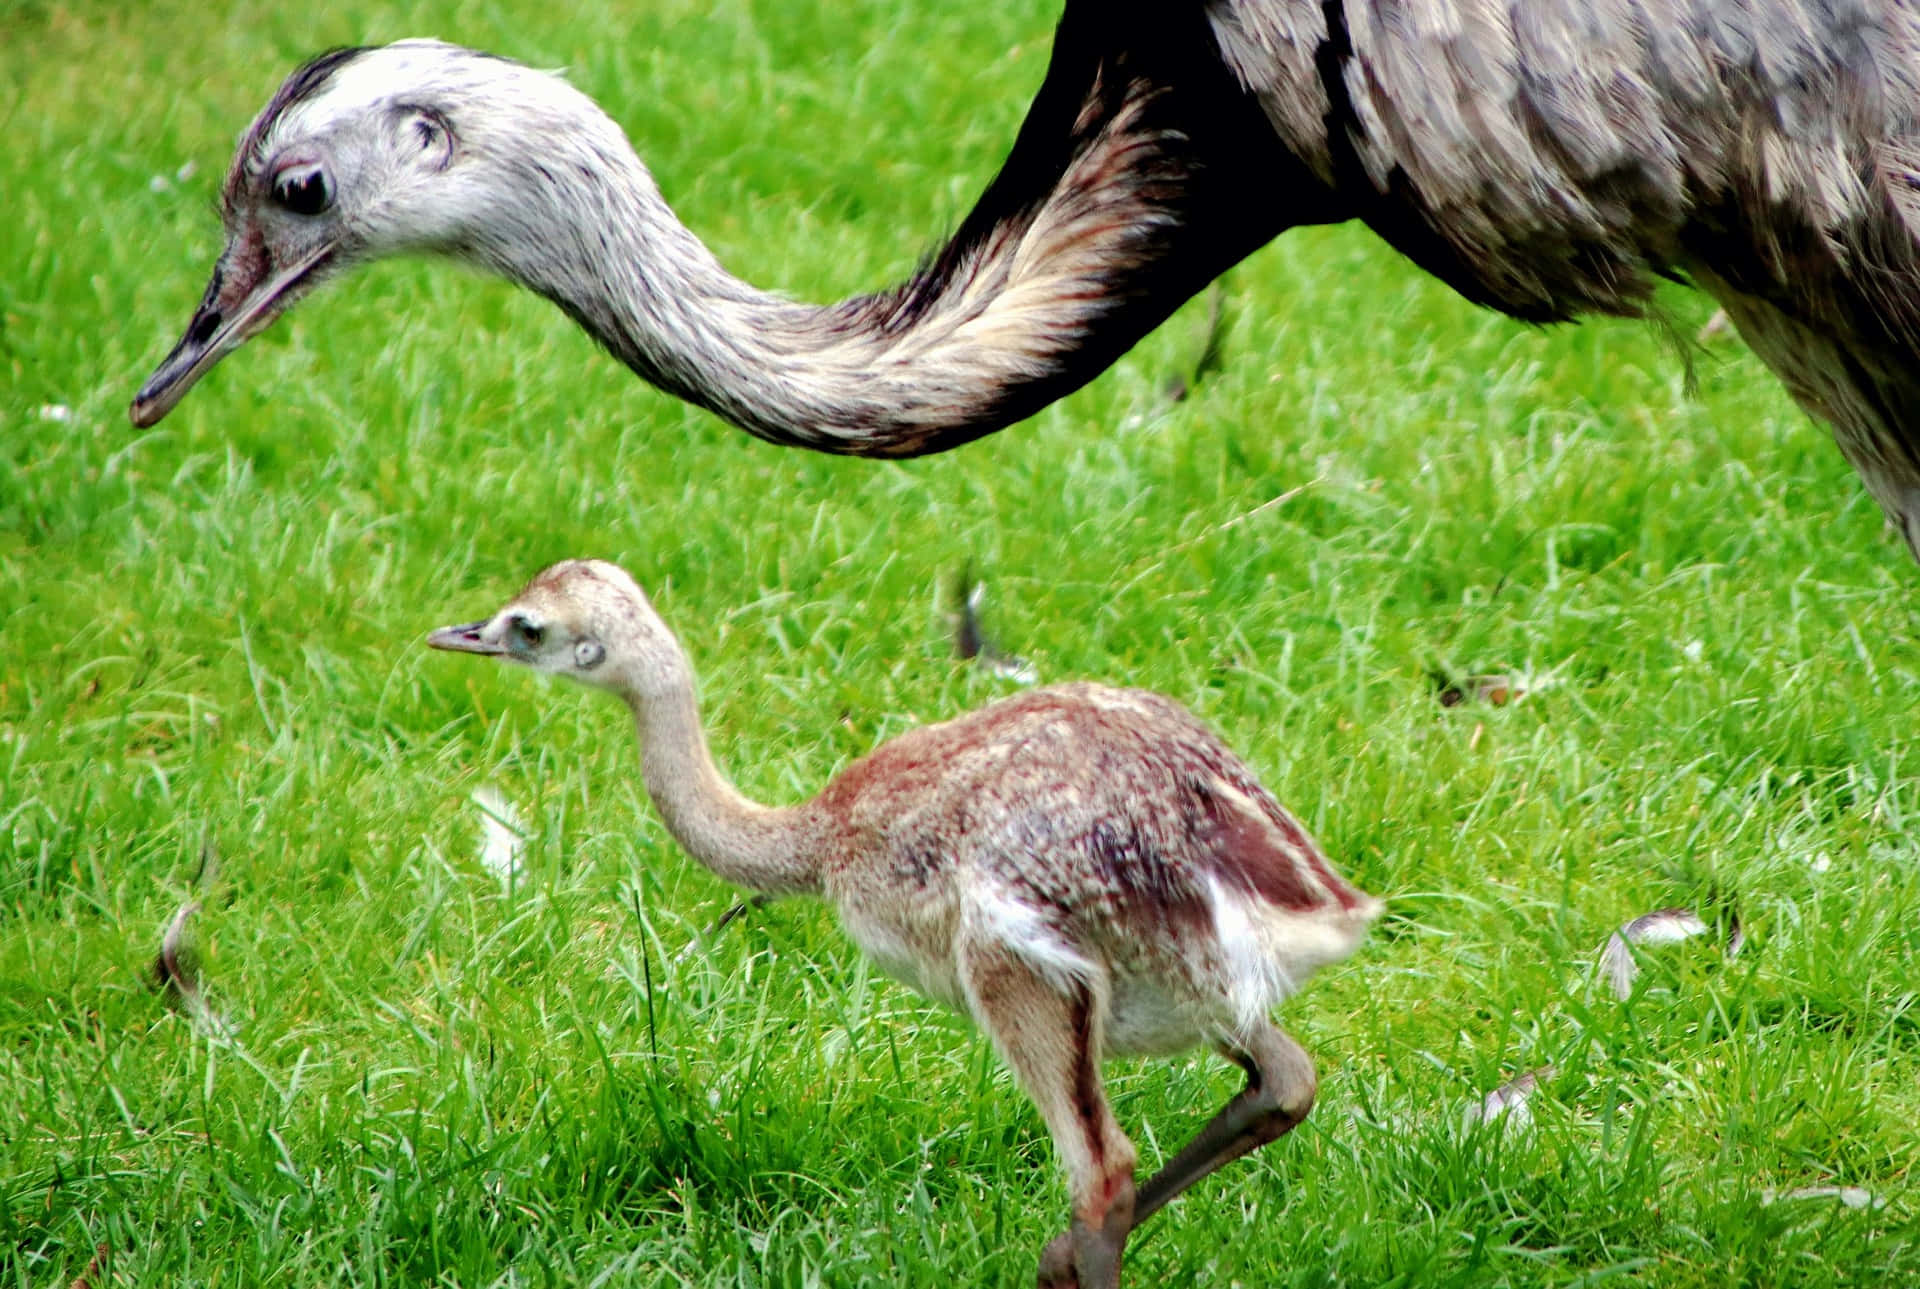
(1546, 158)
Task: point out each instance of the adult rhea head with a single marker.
(355, 159)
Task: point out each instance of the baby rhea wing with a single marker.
(1086, 871)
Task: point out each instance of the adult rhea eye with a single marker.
(304, 190)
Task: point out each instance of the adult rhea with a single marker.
(1086, 871)
(1546, 159)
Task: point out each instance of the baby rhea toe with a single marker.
(1087, 872)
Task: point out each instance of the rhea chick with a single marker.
(1087, 872)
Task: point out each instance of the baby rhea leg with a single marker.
(1280, 1089)
(1050, 1032)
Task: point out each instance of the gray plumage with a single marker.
(1547, 159)
(1085, 871)
(1621, 968)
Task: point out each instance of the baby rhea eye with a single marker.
(527, 633)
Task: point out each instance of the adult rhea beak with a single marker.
(238, 305)
(464, 638)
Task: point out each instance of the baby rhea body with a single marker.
(1086, 871)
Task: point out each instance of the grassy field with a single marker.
(421, 1073)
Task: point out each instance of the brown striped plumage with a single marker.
(1547, 158)
(1086, 871)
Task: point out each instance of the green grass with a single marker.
(210, 641)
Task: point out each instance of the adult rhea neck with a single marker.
(1137, 178)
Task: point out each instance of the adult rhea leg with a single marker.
(1280, 1088)
(1051, 1037)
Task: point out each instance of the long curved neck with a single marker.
(763, 848)
(1142, 171)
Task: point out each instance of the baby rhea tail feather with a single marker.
(1267, 952)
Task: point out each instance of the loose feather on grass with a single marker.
(1848, 1196)
(1211, 352)
(502, 834)
(1495, 690)
(1662, 926)
(176, 972)
(1508, 1102)
(970, 637)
